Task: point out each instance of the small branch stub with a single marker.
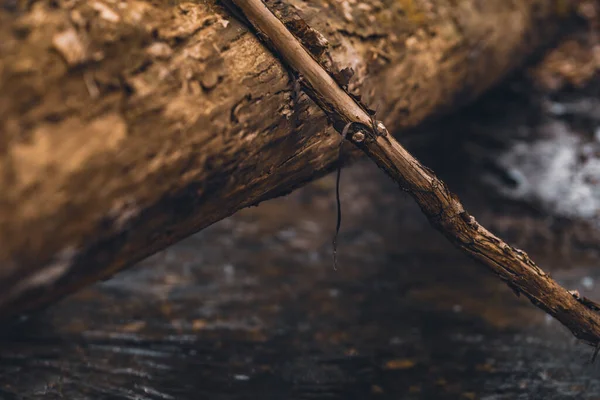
(381, 129)
(358, 137)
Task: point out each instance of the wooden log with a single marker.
(127, 128)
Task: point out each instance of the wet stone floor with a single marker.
(252, 308)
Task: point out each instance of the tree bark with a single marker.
(125, 129)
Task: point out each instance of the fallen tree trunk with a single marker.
(125, 129)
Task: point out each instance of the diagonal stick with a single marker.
(442, 208)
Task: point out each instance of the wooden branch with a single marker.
(127, 127)
(442, 208)
(322, 88)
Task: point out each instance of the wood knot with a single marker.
(358, 137)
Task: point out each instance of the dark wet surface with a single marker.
(252, 308)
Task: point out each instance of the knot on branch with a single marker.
(592, 305)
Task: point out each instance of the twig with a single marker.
(442, 208)
(338, 176)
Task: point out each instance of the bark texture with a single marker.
(126, 126)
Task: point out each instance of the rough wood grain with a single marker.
(128, 126)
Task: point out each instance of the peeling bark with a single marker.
(126, 127)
